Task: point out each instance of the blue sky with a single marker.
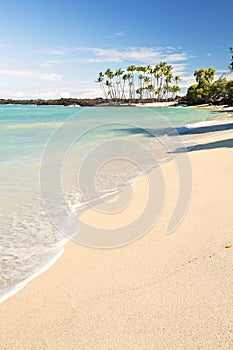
(52, 49)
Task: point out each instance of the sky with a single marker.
(53, 49)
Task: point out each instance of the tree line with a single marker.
(206, 90)
(142, 82)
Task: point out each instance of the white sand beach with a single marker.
(156, 104)
(161, 292)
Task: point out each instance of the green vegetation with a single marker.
(142, 82)
(209, 91)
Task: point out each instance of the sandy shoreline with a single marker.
(161, 292)
(174, 104)
(156, 104)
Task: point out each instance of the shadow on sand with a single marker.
(207, 146)
(206, 129)
(150, 132)
(186, 131)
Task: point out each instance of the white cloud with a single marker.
(83, 89)
(145, 55)
(67, 59)
(186, 81)
(54, 52)
(179, 68)
(171, 48)
(176, 57)
(209, 54)
(49, 63)
(222, 71)
(87, 89)
(31, 74)
(116, 35)
(51, 94)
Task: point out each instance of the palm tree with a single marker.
(177, 78)
(124, 78)
(130, 84)
(109, 74)
(139, 69)
(132, 69)
(177, 89)
(159, 92)
(151, 89)
(153, 82)
(167, 72)
(144, 70)
(109, 86)
(100, 80)
(146, 81)
(150, 72)
(162, 66)
(157, 74)
(118, 74)
(139, 92)
(130, 89)
(140, 85)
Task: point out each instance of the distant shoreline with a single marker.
(89, 102)
(101, 102)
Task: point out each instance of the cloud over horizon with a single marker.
(145, 55)
(31, 74)
(74, 69)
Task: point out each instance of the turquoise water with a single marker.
(29, 240)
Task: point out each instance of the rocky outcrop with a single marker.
(87, 102)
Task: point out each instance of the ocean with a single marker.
(94, 151)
